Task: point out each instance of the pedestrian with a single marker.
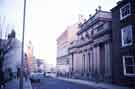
(26, 75)
(18, 73)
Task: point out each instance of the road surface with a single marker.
(53, 83)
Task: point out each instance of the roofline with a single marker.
(79, 32)
(98, 19)
(61, 34)
(119, 3)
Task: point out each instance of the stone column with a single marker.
(75, 62)
(98, 58)
(94, 60)
(72, 62)
(89, 61)
(107, 60)
(79, 62)
(86, 62)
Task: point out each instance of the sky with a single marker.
(46, 20)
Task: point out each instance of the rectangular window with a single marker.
(129, 65)
(125, 11)
(126, 36)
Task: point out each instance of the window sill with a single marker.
(129, 75)
(127, 45)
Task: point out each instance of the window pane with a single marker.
(130, 69)
(127, 38)
(127, 35)
(128, 61)
(129, 32)
(125, 11)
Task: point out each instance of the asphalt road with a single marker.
(52, 83)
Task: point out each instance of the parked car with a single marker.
(36, 77)
(51, 74)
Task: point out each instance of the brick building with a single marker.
(123, 41)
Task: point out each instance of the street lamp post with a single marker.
(22, 55)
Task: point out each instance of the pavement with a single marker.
(99, 85)
(14, 84)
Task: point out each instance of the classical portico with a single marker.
(91, 53)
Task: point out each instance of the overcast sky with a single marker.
(47, 19)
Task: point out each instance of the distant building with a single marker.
(38, 65)
(34, 65)
(123, 41)
(48, 67)
(63, 43)
(91, 53)
(29, 55)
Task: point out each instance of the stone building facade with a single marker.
(91, 52)
(63, 42)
